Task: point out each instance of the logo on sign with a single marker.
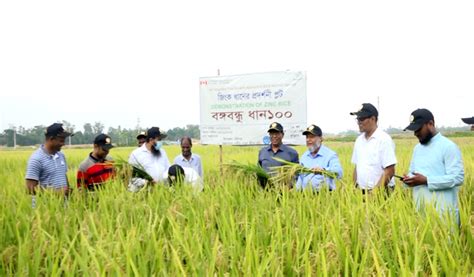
(266, 140)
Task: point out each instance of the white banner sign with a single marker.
(238, 109)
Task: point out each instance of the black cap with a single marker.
(367, 110)
(154, 132)
(418, 118)
(103, 141)
(57, 130)
(174, 172)
(275, 126)
(313, 129)
(141, 135)
(468, 120)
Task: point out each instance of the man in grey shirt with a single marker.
(276, 149)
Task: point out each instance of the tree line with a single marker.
(120, 136)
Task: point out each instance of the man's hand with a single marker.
(416, 180)
(317, 170)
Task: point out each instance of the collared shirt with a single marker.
(441, 163)
(371, 156)
(93, 172)
(191, 177)
(153, 165)
(266, 155)
(325, 159)
(49, 170)
(194, 162)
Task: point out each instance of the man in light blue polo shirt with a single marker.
(187, 158)
(47, 166)
(319, 158)
(436, 168)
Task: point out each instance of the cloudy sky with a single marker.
(121, 61)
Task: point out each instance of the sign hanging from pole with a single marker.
(237, 109)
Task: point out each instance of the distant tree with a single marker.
(98, 128)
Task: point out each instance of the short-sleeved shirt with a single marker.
(93, 173)
(371, 156)
(325, 159)
(155, 166)
(49, 170)
(194, 162)
(266, 155)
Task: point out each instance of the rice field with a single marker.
(232, 227)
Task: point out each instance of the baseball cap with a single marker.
(419, 117)
(154, 132)
(57, 130)
(275, 126)
(103, 141)
(141, 135)
(367, 110)
(313, 129)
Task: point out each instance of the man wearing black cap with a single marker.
(141, 138)
(97, 168)
(374, 152)
(47, 166)
(276, 149)
(436, 168)
(320, 158)
(151, 156)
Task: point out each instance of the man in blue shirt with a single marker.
(187, 158)
(47, 166)
(436, 168)
(318, 157)
(276, 149)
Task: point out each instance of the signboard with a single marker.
(238, 109)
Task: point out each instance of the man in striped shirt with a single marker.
(47, 166)
(97, 168)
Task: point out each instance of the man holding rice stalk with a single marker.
(276, 149)
(151, 157)
(436, 168)
(97, 168)
(373, 154)
(320, 159)
(47, 166)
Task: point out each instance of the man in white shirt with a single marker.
(177, 174)
(374, 152)
(187, 158)
(151, 156)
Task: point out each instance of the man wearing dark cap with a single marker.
(436, 169)
(374, 152)
(276, 149)
(319, 158)
(97, 168)
(141, 138)
(151, 156)
(47, 166)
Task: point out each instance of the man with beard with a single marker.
(151, 156)
(97, 168)
(276, 149)
(187, 158)
(436, 168)
(374, 152)
(47, 166)
(319, 158)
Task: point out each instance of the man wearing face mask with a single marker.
(436, 168)
(318, 157)
(151, 156)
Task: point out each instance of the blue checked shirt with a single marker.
(326, 159)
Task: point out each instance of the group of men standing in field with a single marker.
(436, 170)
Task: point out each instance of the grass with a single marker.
(232, 227)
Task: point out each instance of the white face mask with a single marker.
(158, 145)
